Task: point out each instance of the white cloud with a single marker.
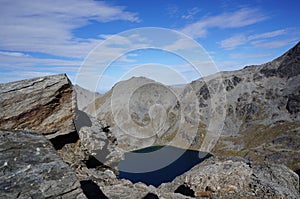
(13, 54)
(234, 41)
(268, 34)
(273, 44)
(256, 40)
(47, 26)
(240, 18)
(20, 61)
(20, 75)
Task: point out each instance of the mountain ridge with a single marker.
(255, 100)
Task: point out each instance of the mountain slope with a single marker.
(263, 114)
(253, 112)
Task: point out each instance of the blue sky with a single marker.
(51, 36)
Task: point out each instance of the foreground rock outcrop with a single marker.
(236, 178)
(44, 105)
(30, 168)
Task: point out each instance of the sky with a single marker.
(98, 43)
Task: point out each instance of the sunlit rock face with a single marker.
(44, 105)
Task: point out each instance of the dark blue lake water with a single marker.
(158, 164)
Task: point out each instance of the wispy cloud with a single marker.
(191, 13)
(172, 10)
(240, 18)
(234, 41)
(257, 40)
(47, 26)
(268, 34)
(13, 54)
(274, 44)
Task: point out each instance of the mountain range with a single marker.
(58, 140)
(253, 112)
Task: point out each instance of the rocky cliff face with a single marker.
(44, 105)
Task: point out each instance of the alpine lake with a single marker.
(155, 165)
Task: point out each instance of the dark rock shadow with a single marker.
(92, 190)
(185, 190)
(150, 196)
(60, 141)
(81, 120)
(93, 162)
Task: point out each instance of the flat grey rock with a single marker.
(30, 168)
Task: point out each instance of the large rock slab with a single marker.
(97, 140)
(30, 168)
(44, 105)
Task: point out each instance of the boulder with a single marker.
(44, 105)
(100, 144)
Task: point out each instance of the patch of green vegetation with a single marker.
(260, 134)
(258, 144)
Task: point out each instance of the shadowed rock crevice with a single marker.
(93, 162)
(185, 190)
(151, 196)
(60, 141)
(92, 190)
